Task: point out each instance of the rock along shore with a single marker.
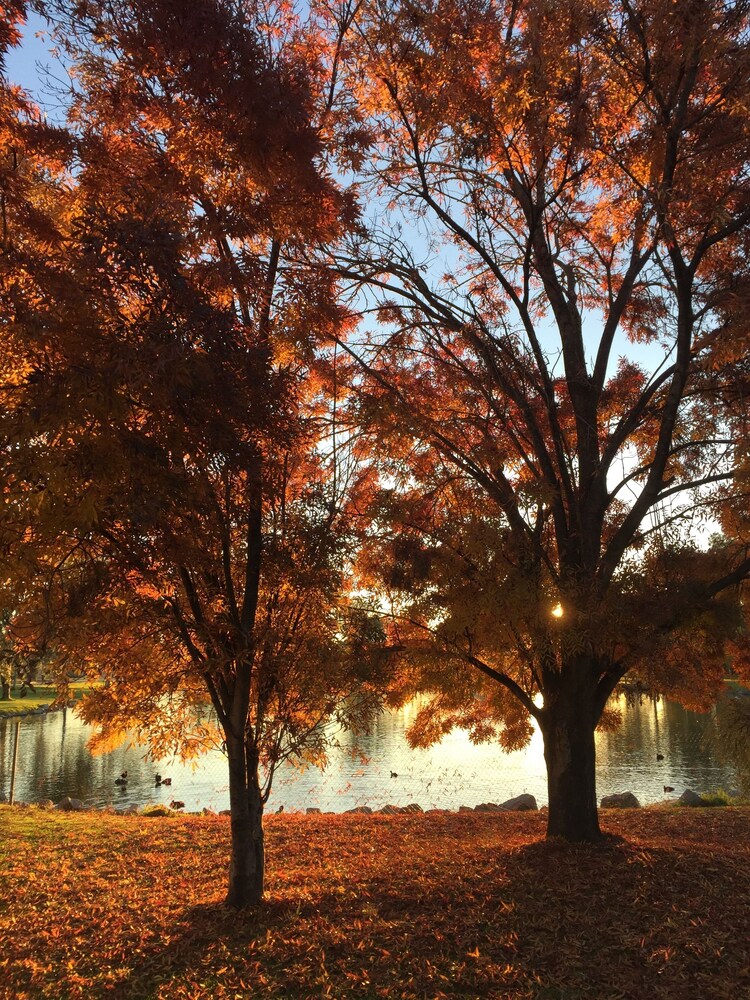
(520, 803)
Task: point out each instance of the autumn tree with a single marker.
(557, 256)
(166, 431)
(32, 157)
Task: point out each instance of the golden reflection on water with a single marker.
(657, 744)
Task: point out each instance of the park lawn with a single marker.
(428, 906)
(45, 694)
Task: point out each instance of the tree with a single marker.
(7, 661)
(18, 663)
(578, 174)
(165, 420)
(31, 156)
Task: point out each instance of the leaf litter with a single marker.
(416, 907)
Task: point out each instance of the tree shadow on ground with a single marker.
(621, 920)
(199, 930)
(546, 920)
(469, 917)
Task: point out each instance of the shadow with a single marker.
(547, 849)
(476, 907)
(200, 927)
(550, 920)
(617, 919)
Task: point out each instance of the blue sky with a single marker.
(21, 62)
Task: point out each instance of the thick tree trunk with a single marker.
(5, 693)
(247, 867)
(568, 730)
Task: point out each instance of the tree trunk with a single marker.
(568, 728)
(247, 867)
(5, 694)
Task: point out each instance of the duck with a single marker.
(280, 809)
(660, 756)
(165, 781)
(123, 779)
(393, 774)
(176, 804)
(668, 788)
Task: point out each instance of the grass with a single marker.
(411, 907)
(45, 694)
(718, 798)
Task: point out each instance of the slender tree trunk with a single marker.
(568, 729)
(247, 867)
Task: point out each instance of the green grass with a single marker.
(45, 694)
(719, 798)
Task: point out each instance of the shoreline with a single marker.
(47, 748)
(24, 713)
(690, 801)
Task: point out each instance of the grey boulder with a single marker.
(67, 804)
(691, 798)
(521, 803)
(620, 800)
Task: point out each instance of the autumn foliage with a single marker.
(417, 908)
(172, 481)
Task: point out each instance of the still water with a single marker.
(53, 761)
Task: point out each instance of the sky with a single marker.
(21, 62)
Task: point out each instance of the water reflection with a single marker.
(376, 769)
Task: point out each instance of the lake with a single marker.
(53, 761)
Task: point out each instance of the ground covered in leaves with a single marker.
(443, 905)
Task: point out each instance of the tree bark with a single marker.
(247, 866)
(5, 693)
(568, 726)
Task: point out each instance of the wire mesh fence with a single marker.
(657, 747)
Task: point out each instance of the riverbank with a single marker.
(41, 700)
(409, 906)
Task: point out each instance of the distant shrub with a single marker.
(157, 810)
(718, 798)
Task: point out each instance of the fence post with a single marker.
(15, 759)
